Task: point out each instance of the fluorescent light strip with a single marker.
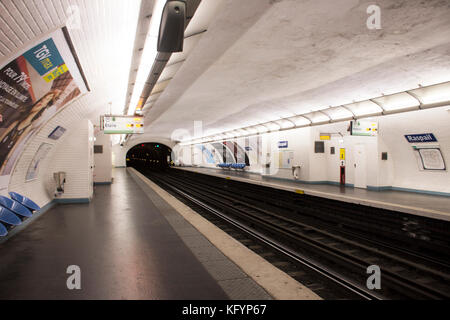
(424, 97)
(148, 55)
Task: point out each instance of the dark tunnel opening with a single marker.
(149, 156)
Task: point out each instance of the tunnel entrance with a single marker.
(149, 156)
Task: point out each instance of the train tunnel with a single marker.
(149, 156)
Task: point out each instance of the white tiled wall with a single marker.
(69, 153)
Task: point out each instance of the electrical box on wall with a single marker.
(319, 147)
(384, 156)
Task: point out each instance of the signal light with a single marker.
(157, 145)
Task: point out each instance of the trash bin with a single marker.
(60, 179)
(296, 171)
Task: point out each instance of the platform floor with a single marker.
(124, 246)
(431, 206)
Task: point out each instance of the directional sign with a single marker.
(364, 128)
(122, 124)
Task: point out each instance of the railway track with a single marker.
(332, 261)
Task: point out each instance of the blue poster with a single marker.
(44, 57)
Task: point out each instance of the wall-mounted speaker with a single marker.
(171, 29)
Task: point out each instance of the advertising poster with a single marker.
(43, 150)
(34, 86)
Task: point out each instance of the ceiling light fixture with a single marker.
(437, 95)
(148, 55)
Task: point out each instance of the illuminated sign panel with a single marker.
(364, 128)
(122, 124)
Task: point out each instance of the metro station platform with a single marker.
(432, 206)
(129, 244)
(133, 241)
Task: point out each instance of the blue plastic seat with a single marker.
(24, 201)
(225, 165)
(3, 231)
(9, 217)
(15, 207)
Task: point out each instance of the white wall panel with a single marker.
(103, 161)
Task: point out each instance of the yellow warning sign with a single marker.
(325, 137)
(342, 154)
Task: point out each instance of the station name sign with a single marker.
(419, 138)
(111, 124)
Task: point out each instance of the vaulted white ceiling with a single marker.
(263, 59)
(258, 59)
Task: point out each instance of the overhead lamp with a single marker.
(338, 113)
(228, 134)
(317, 117)
(272, 126)
(243, 132)
(285, 124)
(364, 108)
(252, 130)
(431, 96)
(148, 55)
(236, 133)
(261, 128)
(300, 121)
(399, 101)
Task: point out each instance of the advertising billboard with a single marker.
(35, 84)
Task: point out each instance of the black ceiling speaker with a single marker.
(171, 30)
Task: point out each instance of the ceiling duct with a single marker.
(190, 6)
(171, 30)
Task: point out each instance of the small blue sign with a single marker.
(282, 144)
(420, 138)
(57, 133)
(248, 148)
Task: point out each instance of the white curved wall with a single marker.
(66, 155)
(400, 171)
